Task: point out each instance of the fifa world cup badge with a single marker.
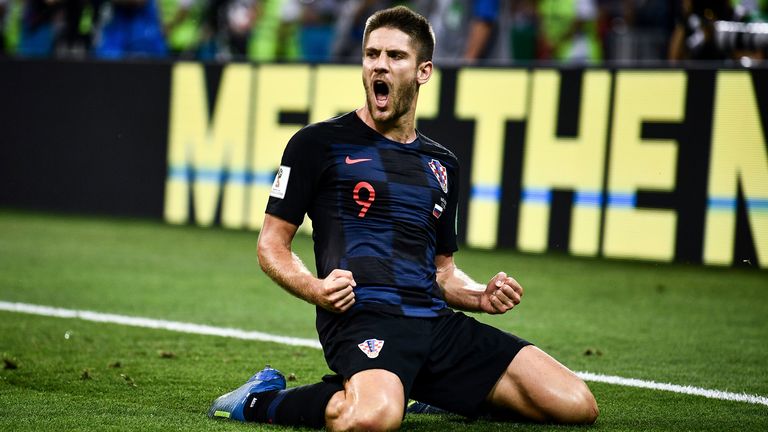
(280, 185)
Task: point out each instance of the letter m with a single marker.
(207, 160)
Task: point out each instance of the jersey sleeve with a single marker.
(294, 186)
(446, 229)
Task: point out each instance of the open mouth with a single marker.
(381, 92)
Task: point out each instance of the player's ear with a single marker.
(424, 72)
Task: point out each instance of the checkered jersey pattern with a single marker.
(379, 208)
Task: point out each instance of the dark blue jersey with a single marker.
(379, 208)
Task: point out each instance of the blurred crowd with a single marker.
(468, 31)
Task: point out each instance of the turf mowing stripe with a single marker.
(265, 337)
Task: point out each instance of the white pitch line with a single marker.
(156, 324)
(675, 388)
(313, 343)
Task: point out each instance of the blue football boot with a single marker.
(231, 404)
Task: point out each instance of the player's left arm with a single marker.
(501, 294)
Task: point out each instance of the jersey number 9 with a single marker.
(366, 204)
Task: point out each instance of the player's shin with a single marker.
(299, 406)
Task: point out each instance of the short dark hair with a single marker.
(408, 22)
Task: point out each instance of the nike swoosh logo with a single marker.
(350, 161)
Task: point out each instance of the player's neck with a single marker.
(401, 129)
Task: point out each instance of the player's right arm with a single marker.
(334, 293)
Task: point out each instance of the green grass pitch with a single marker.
(681, 324)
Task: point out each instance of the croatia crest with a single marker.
(371, 347)
(440, 173)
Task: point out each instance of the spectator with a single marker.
(3, 14)
(524, 30)
(350, 24)
(10, 26)
(227, 28)
(751, 10)
(132, 28)
(568, 30)
(744, 38)
(181, 25)
(288, 30)
(693, 36)
(651, 23)
(75, 40)
(40, 25)
(467, 30)
(317, 26)
(611, 26)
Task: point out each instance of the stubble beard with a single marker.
(400, 101)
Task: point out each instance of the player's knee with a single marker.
(577, 407)
(568, 403)
(588, 407)
(344, 417)
(381, 418)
